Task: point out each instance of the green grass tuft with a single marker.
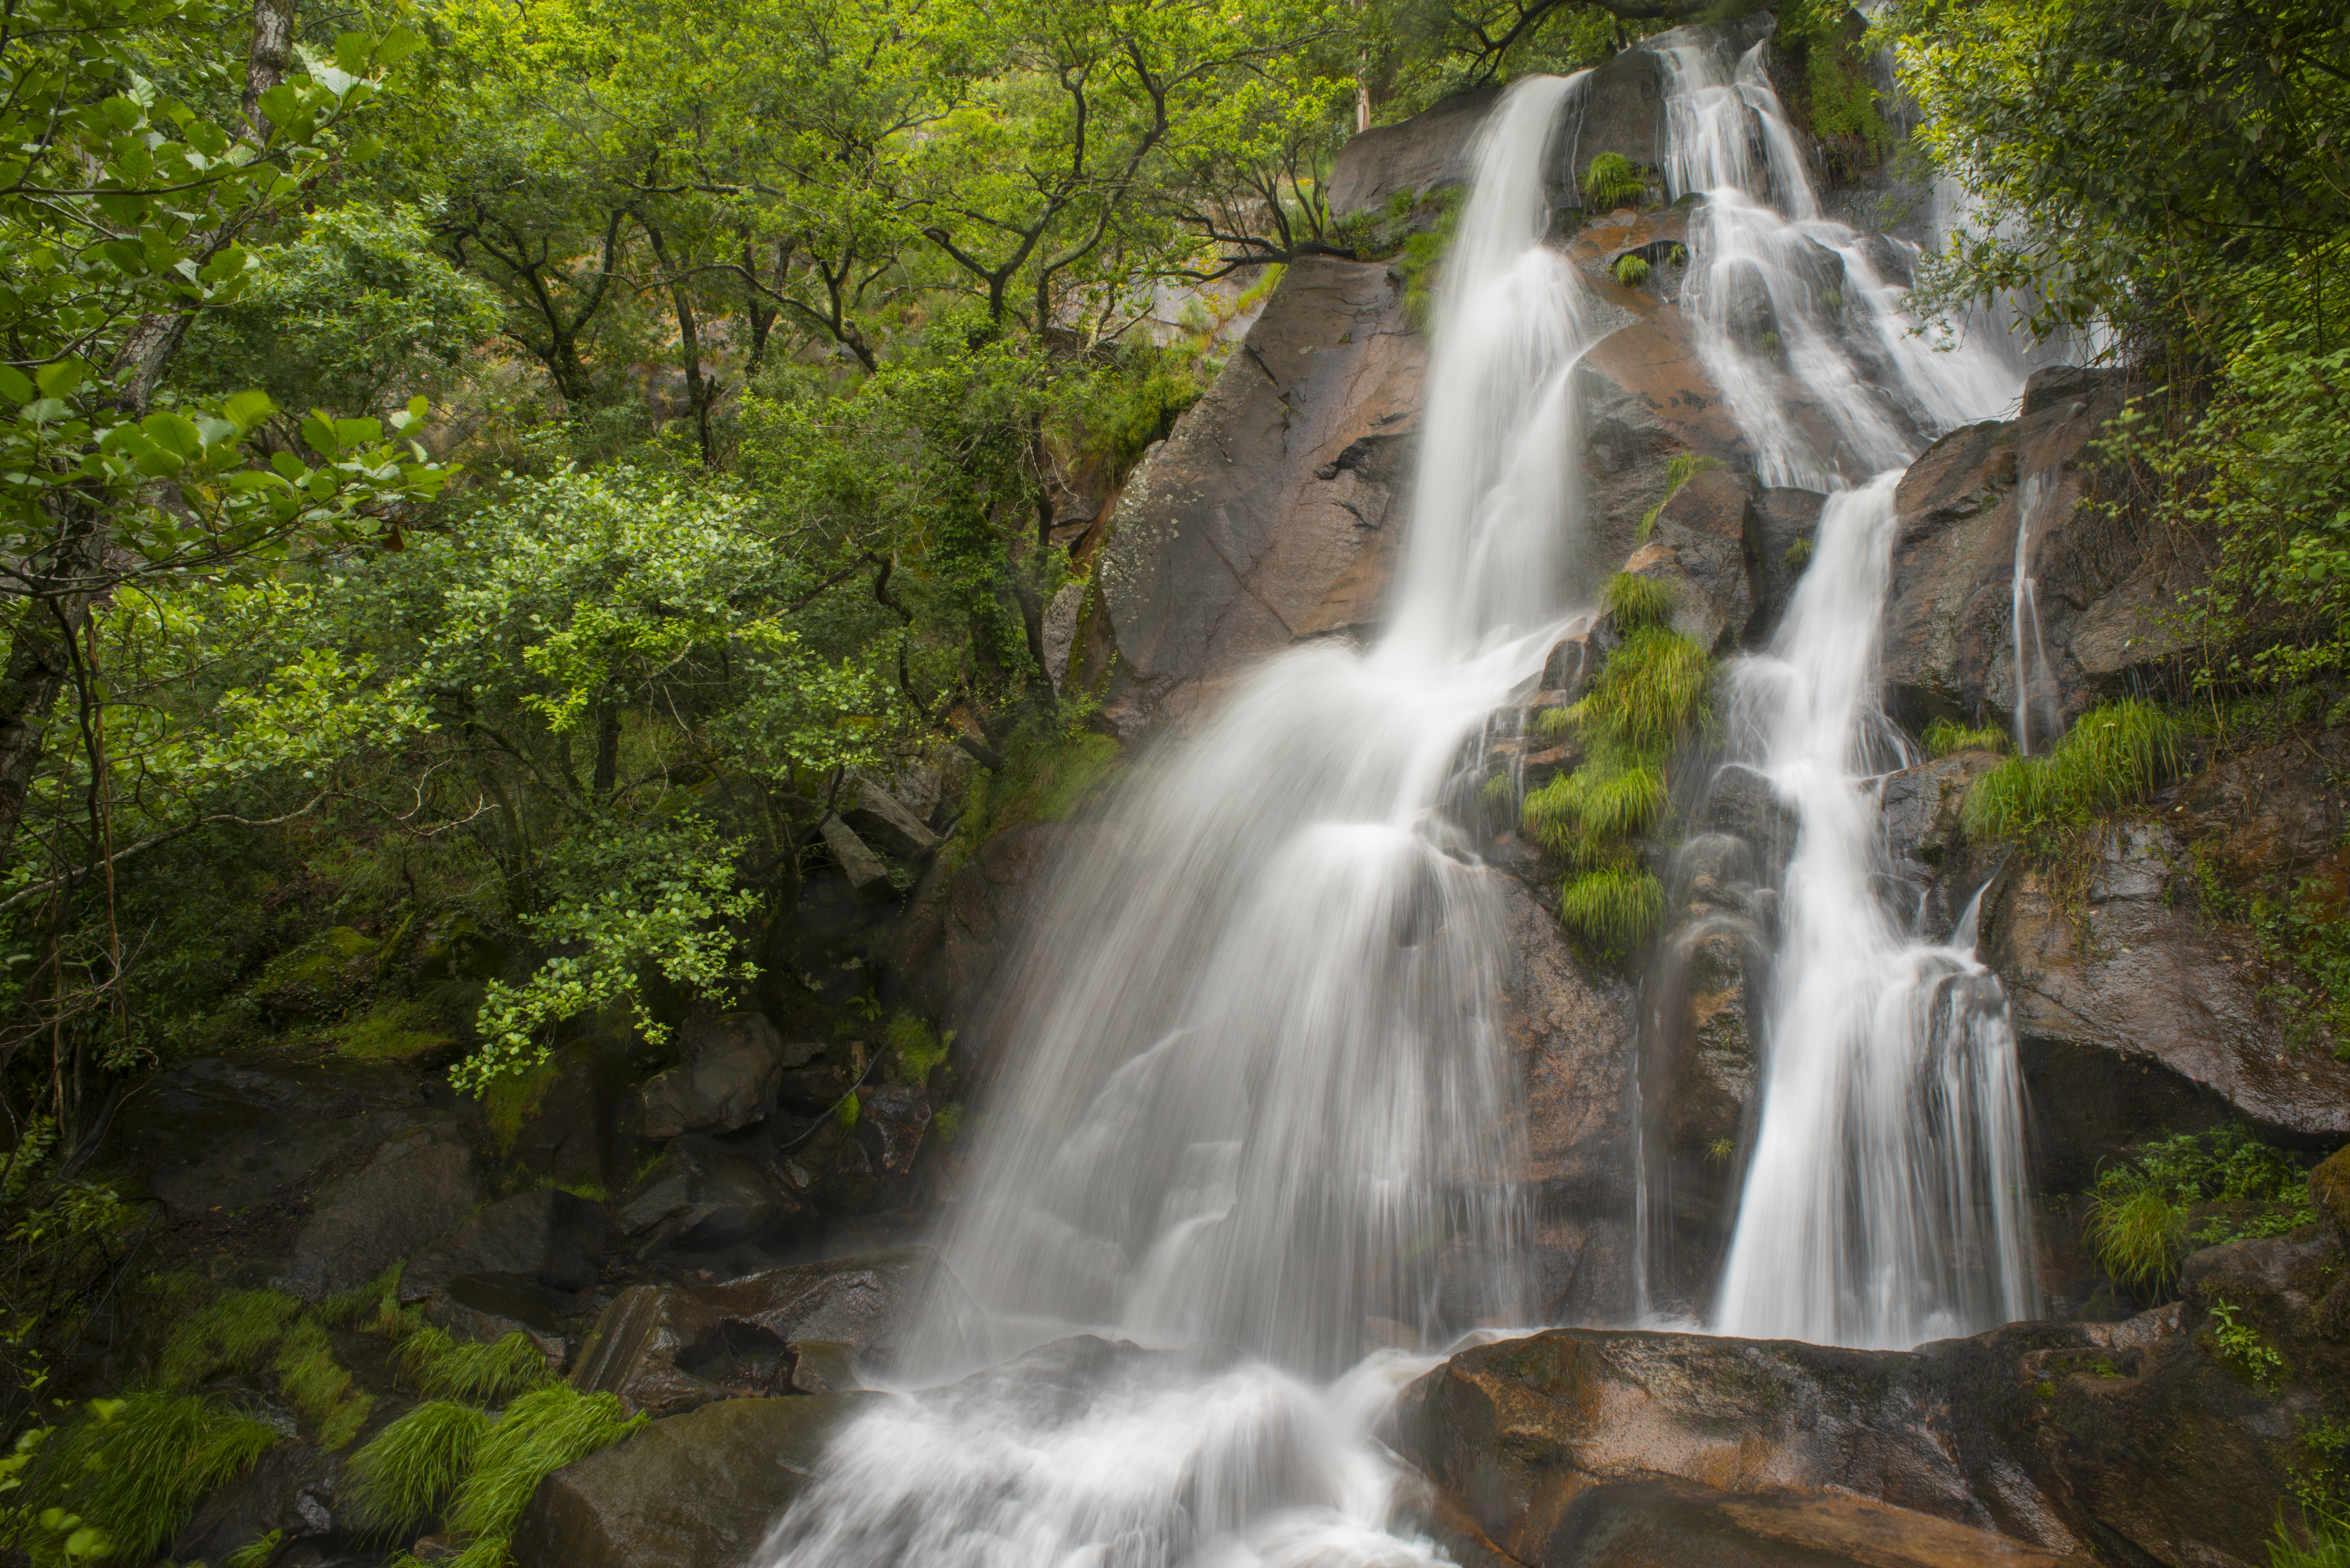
(445, 1369)
(1653, 688)
(1611, 181)
(363, 1303)
(1553, 725)
(1616, 908)
(255, 1553)
(1635, 602)
(2115, 757)
(318, 1387)
(1945, 737)
(1599, 803)
(1683, 468)
(2140, 1210)
(1632, 271)
(2329, 1542)
(234, 1333)
(539, 1434)
(137, 1468)
(411, 1470)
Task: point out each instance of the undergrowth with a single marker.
(1948, 737)
(537, 1434)
(1634, 602)
(135, 1468)
(2328, 1547)
(410, 1471)
(2143, 1212)
(2115, 757)
(445, 1369)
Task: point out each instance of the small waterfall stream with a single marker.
(1261, 1093)
(1881, 1202)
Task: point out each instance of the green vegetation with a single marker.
(1612, 182)
(1633, 602)
(491, 1374)
(538, 1434)
(1683, 468)
(409, 1472)
(1945, 737)
(1422, 249)
(318, 1388)
(1596, 803)
(1799, 552)
(2113, 758)
(2244, 1350)
(234, 1333)
(1616, 908)
(2328, 1545)
(1631, 271)
(1768, 342)
(134, 1468)
(918, 1047)
(2142, 1212)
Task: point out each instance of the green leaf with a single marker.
(59, 377)
(247, 409)
(14, 385)
(174, 434)
(351, 53)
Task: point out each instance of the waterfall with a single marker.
(1262, 1095)
(2037, 711)
(1881, 1201)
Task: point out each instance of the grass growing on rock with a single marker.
(445, 1369)
(2113, 758)
(1634, 602)
(1653, 688)
(235, 1332)
(1611, 181)
(1631, 271)
(1616, 907)
(410, 1471)
(1603, 800)
(538, 1434)
(2142, 1211)
(1948, 737)
(136, 1468)
(319, 1386)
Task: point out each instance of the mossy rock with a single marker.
(393, 1031)
(2329, 1191)
(318, 978)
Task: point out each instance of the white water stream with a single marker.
(1882, 1203)
(1261, 1092)
(1261, 1097)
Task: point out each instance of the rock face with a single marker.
(416, 1186)
(549, 1237)
(1949, 620)
(702, 1199)
(1270, 513)
(1573, 1033)
(696, 1491)
(1425, 154)
(2132, 1014)
(2150, 1440)
(728, 1080)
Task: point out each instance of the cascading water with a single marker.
(2036, 713)
(1261, 1092)
(1881, 1204)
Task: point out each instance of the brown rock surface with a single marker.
(1271, 512)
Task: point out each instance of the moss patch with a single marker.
(392, 1031)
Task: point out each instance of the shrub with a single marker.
(1677, 473)
(1612, 181)
(1635, 602)
(1945, 737)
(1631, 271)
(2116, 756)
(402, 1479)
(1616, 908)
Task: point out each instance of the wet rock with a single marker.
(694, 1491)
(486, 1308)
(225, 1131)
(2267, 818)
(2102, 588)
(667, 1348)
(881, 818)
(548, 1236)
(1646, 398)
(1575, 663)
(1926, 841)
(1571, 1029)
(1670, 1525)
(1420, 156)
(1267, 515)
(2132, 1015)
(416, 1186)
(1786, 522)
(290, 1490)
(868, 1303)
(1698, 1068)
(1743, 802)
(1621, 109)
(701, 1197)
(573, 1134)
(728, 1079)
(1707, 525)
(2329, 1192)
(864, 870)
(993, 901)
